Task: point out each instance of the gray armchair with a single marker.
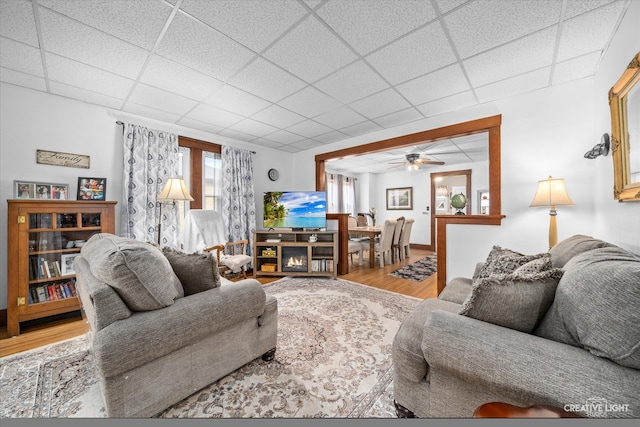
(163, 326)
(563, 342)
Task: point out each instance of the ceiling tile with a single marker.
(255, 24)
(283, 137)
(310, 102)
(152, 113)
(340, 118)
(68, 38)
(198, 46)
(441, 83)
(161, 100)
(309, 129)
(85, 95)
(352, 20)
(576, 68)
(588, 32)
(19, 57)
(310, 51)
(419, 53)
(514, 86)
(450, 103)
(329, 137)
(483, 24)
(115, 17)
(22, 79)
(197, 124)
(517, 57)
(266, 143)
(214, 115)
(306, 144)
(447, 5)
(361, 128)
(253, 127)
(577, 7)
(240, 136)
(267, 81)
(74, 73)
(173, 77)
(17, 22)
(352, 82)
(380, 104)
(399, 118)
(237, 101)
(289, 149)
(278, 116)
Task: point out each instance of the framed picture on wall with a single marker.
(92, 188)
(400, 198)
(40, 190)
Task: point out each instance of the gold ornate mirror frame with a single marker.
(625, 135)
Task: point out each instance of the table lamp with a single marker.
(174, 189)
(551, 192)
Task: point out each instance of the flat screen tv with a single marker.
(295, 209)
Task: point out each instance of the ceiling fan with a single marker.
(414, 161)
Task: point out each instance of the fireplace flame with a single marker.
(295, 262)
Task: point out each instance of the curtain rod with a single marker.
(122, 124)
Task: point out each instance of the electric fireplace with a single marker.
(294, 259)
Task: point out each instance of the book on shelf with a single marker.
(41, 295)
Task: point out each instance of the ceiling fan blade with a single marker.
(429, 162)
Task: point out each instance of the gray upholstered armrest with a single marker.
(147, 335)
(528, 368)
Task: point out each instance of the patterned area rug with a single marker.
(419, 270)
(333, 360)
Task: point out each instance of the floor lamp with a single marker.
(551, 192)
(175, 189)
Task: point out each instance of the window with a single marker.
(201, 168)
(341, 194)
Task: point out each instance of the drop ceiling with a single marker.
(299, 74)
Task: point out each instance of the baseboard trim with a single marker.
(421, 247)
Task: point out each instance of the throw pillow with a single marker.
(504, 261)
(516, 300)
(138, 272)
(597, 305)
(574, 245)
(197, 272)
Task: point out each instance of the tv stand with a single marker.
(317, 258)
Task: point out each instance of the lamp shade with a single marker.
(551, 192)
(174, 189)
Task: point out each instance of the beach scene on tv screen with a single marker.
(295, 209)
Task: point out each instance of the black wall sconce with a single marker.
(601, 149)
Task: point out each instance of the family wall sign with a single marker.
(57, 158)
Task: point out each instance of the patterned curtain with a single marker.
(150, 158)
(238, 197)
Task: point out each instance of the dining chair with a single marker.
(363, 221)
(395, 245)
(383, 246)
(404, 238)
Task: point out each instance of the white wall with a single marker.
(32, 120)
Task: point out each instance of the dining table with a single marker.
(370, 231)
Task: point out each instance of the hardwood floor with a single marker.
(39, 335)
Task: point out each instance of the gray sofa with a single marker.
(558, 329)
(163, 325)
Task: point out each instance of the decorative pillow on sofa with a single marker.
(197, 272)
(516, 300)
(138, 271)
(503, 261)
(574, 245)
(597, 305)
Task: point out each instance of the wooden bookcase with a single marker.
(43, 238)
(272, 247)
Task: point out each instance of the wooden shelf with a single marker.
(321, 255)
(38, 235)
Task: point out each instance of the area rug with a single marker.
(333, 360)
(419, 270)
